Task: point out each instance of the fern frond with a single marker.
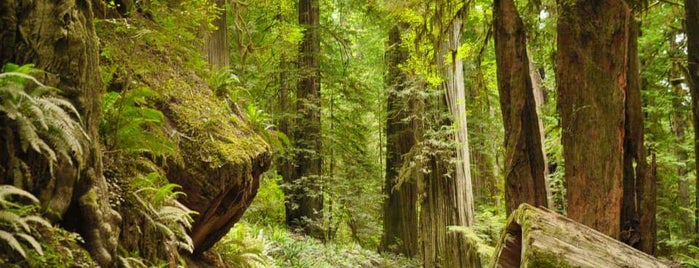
(128, 262)
(14, 220)
(12, 242)
(8, 190)
(38, 220)
(32, 241)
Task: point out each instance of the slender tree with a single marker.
(638, 204)
(305, 198)
(692, 26)
(399, 210)
(592, 80)
(525, 164)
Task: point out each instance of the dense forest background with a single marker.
(341, 133)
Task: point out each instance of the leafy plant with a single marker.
(131, 126)
(245, 249)
(44, 122)
(17, 221)
(223, 82)
(156, 201)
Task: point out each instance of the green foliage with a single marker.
(47, 124)
(129, 125)
(268, 206)
(244, 249)
(224, 82)
(156, 201)
(248, 245)
(18, 221)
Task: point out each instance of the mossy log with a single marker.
(535, 237)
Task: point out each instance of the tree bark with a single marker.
(525, 166)
(400, 208)
(536, 237)
(692, 20)
(216, 47)
(306, 183)
(448, 200)
(591, 72)
(638, 203)
(59, 37)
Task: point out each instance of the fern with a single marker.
(157, 203)
(15, 224)
(129, 125)
(48, 125)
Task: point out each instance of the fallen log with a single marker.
(536, 237)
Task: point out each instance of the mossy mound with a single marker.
(220, 155)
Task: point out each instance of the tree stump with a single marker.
(536, 237)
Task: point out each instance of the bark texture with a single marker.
(592, 81)
(448, 198)
(216, 47)
(400, 209)
(638, 205)
(535, 237)
(59, 37)
(692, 20)
(525, 165)
(305, 198)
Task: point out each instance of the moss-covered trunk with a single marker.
(399, 210)
(592, 80)
(525, 166)
(59, 37)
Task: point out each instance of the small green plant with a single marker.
(223, 82)
(242, 248)
(17, 220)
(130, 126)
(43, 122)
(156, 201)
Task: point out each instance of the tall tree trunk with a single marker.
(591, 72)
(448, 200)
(59, 37)
(525, 167)
(400, 209)
(216, 47)
(306, 196)
(692, 20)
(638, 205)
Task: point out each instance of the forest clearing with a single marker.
(349, 133)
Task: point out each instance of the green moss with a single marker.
(89, 199)
(207, 130)
(544, 260)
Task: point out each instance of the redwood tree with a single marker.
(59, 37)
(592, 79)
(305, 197)
(525, 165)
(399, 210)
(448, 193)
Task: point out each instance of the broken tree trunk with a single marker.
(536, 237)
